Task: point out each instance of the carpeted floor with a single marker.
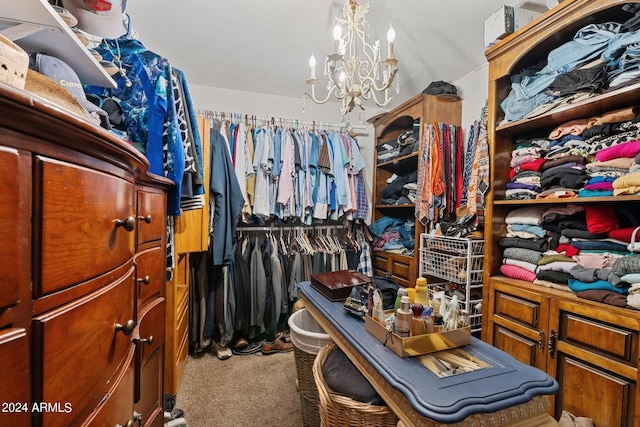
(252, 390)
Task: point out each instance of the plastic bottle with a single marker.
(411, 292)
(404, 317)
(422, 293)
(401, 292)
(428, 320)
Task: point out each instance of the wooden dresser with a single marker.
(82, 277)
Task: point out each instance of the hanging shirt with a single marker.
(243, 168)
(149, 112)
(262, 167)
(251, 173)
(313, 173)
(286, 184)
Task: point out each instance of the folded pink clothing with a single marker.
(516, 272)
(626, 149)
(573, 127)
(599, 186)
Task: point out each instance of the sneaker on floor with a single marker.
(223, 352)
(252, 348)
(277, 346)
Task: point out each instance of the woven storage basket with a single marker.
(337, 410)
(307, 388)
(14, 63)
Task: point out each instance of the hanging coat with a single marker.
(226, 199)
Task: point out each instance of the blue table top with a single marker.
(506, 383)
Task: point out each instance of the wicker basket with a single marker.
(307, 387)
(337, 410)
(14, 63)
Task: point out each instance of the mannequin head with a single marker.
(102, 18)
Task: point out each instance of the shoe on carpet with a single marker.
(276, 346)
(252, 348)
(284, 336)
(222, 351)
(241, 343)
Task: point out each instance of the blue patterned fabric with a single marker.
(146, 98)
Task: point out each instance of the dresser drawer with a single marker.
(116, 406)
(519, 310)
(151, 327)
(599, 337)
(15, 409)
(150, 273)
(88, 224)
(15, 232)
(81, 345)
(149, 389)
(151, 211)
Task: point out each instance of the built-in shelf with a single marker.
(36, 27)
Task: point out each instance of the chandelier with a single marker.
(354, 68)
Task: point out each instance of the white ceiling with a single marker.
(264, 45)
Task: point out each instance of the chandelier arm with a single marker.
(312, 95)
(387, 98)
(369, 83)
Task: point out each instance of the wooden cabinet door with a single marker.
(401, 268)
(593, 355)
(519, 325)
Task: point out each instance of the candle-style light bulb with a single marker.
(312, 65)
(337, 37)
(391, 34)
(337, 32)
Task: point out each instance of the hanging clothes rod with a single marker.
(290, 227)
(284, 122)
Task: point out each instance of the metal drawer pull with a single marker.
(128, 224)
(127, 328)
(541, 340)
(145, 280)
(551, 344)
(146, 219)
(147, 340)
(129, 423)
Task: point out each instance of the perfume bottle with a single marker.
(404, 317)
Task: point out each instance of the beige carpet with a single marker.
(252, 390)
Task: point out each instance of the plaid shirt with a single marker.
(365, 266)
